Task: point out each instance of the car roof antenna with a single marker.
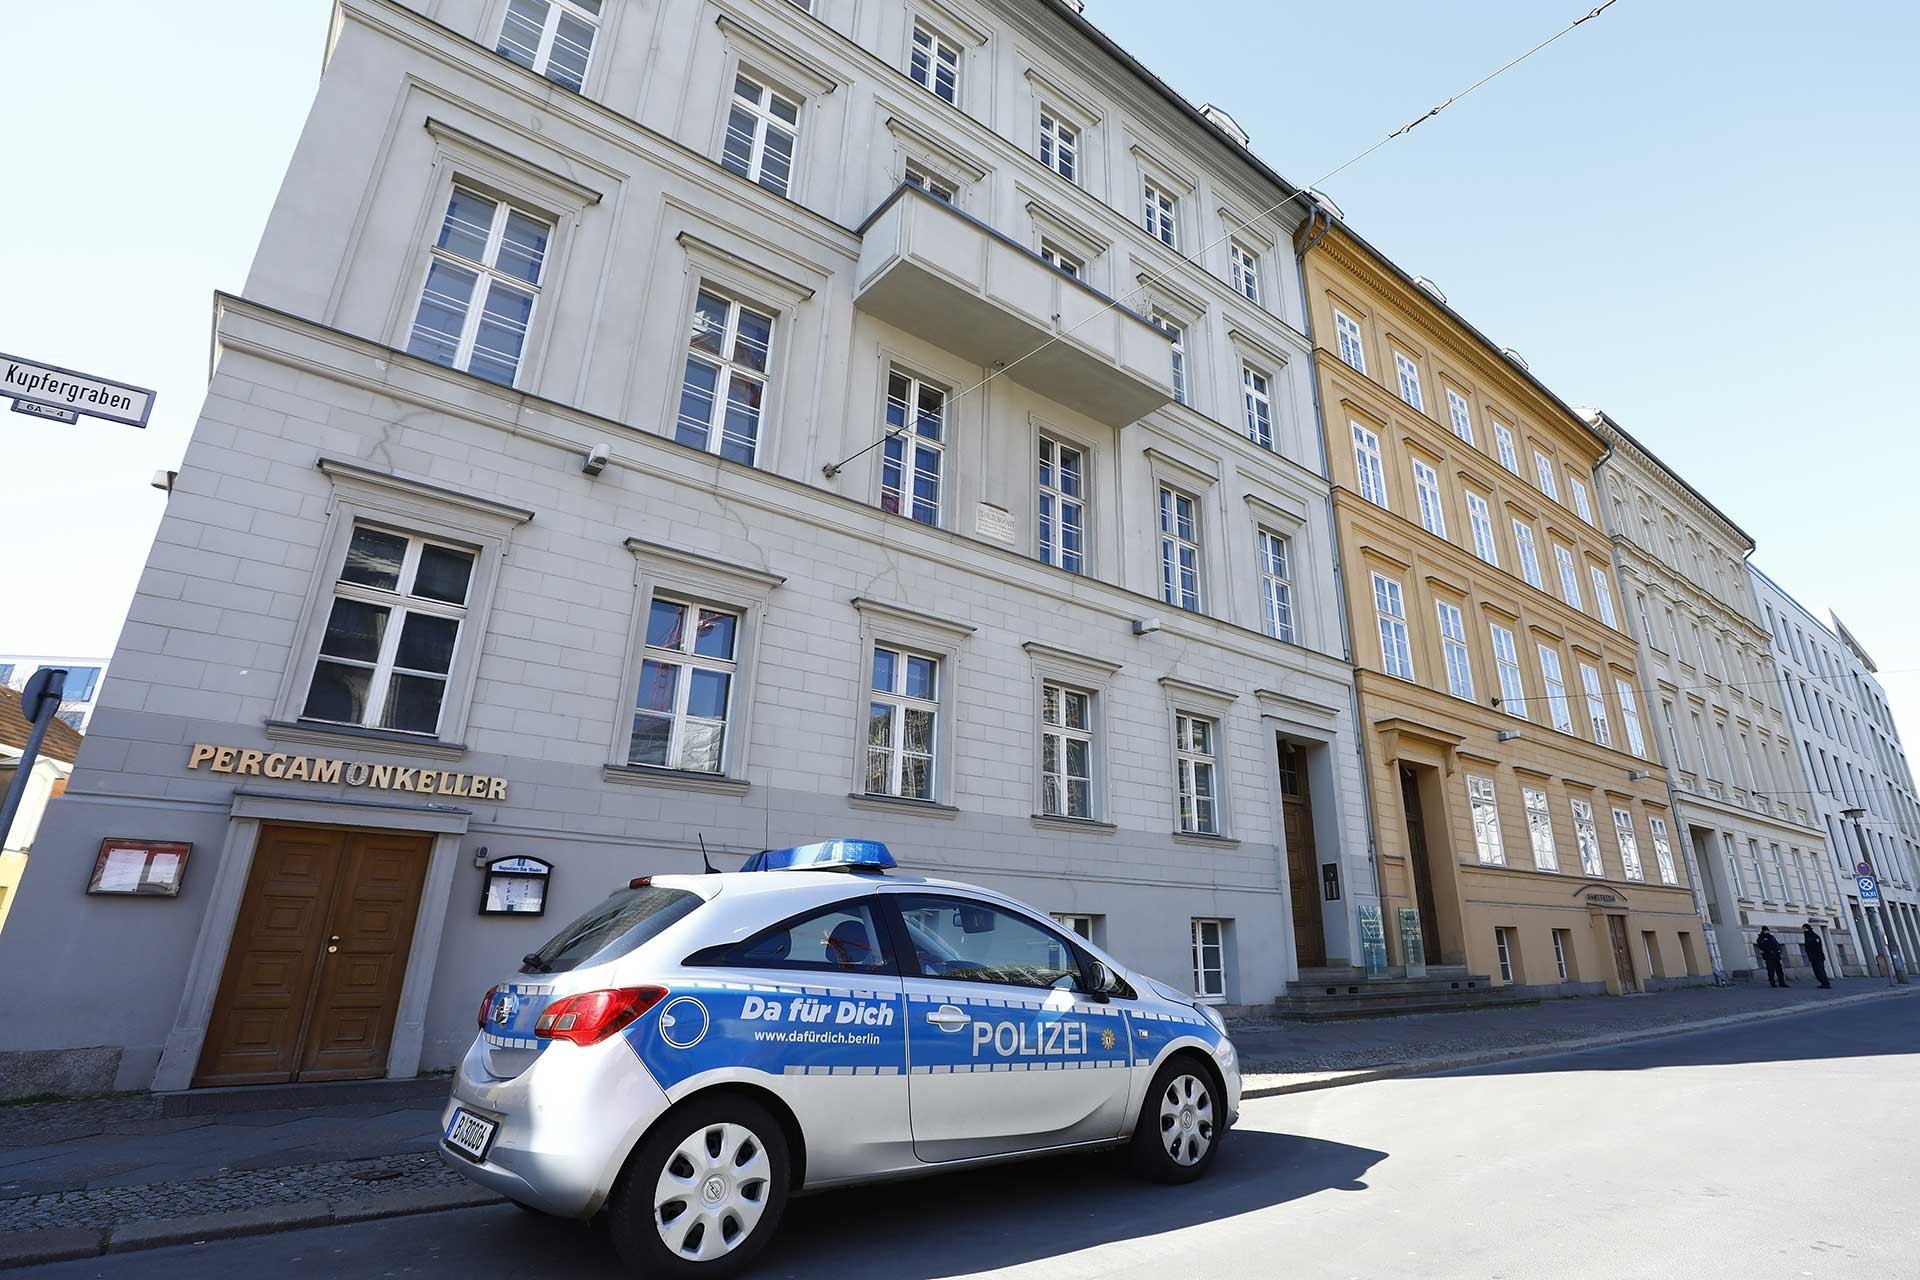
(704, 860)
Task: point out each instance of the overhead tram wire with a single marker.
(832, 469)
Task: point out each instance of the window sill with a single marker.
(680, 779)
(895, 804)
(1200, 837)
(1058, 822)
(333, 735)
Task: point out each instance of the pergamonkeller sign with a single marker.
(28, 382)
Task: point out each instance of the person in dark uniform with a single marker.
(1816, 954)
(1770, 951)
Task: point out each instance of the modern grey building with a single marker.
(1859, 785)
(84, 679)
(713, 421)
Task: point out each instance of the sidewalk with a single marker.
(109, 1174)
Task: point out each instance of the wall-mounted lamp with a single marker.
(1506, 735)
(1145, 626)
(163, 480)
(1638, 775)
(597, 458)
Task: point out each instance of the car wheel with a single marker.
(704, 1192)
(1182, 1123)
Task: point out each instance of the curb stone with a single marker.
(52, 1244)
(426, 1200)
(217, 1226)
(1455, 1062)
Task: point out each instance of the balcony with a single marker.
(933, 271)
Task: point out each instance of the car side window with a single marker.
(844, 938)
(956, 938)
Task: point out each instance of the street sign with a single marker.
(1869, 888)
(1863, 869)
(51, 412)
(29, 382)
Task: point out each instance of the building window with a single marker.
(1481, 519)
(935, 65)
(901, 716)
(1486, 821)
(1067, 264)
(1556, 689)
(1276, 585)
(1459, 415)
(1663, 851)
(1596, 706)
(1352, 350)
(1177, 339)
(686, 687)
(726, 366)
(1210, 960)
(1426, 486)
(392, 633)
(1580, 503)
(1396, 655)
(1244, 271)
(1543, 468)
(1161, 220)
(1506, 664)
(1586, 833)
(1630, 716)
(1081, 925)
(1569, 576)
(1194, 753)
(1059, 146)
(1650, 941)
(1179, 550)
(482, 281)
(913, 452)
(1453, 644)
(1063, 488)
(762, 128)
(1529, 558)
(1603, 596)
(1257, 394)
(1409, 374)
(1560, 939)
(1629, 845)
(1503, 444)
(1066, 752)
(1373, 473)
(1504, 949)
(1540, 829)
(552, 38)
(931, 183)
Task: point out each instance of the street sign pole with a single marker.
(38, 702)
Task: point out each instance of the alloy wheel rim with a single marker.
(712, 1192)
(1186, 1120)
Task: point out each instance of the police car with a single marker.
(694, 1050)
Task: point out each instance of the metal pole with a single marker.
(38, 702)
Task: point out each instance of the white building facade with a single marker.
(716, 421)
(1709, 700)
(1859, 786)
(85, 678)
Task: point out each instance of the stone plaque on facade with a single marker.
(993, 522)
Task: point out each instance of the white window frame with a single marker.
(1256, 393)
(1453, 648)
(1390, 610)
(1629, 843)
(1540, 829)
(1557, 705)
(1173, 548)
(1507, 670)
(931, 181)
(1056, 797)
(1596, 705)
(1569, 577)
(1243, 270)
(766, 122)
(938, 51)
(1543, 469)
(1630, 717)
(686, 661)
(1352, 343)
(1529, 554)
(1603, 596)
(1367, 460)
(587, 12)
(1582, 507)
(487, 274)
(729, 371)
(1050, 452)
(1408, 374)
(1275, 552)
(1176, 333)
(1663, 851)
(911, 442)
(1189, 761)
(1559, 954)
(1460, 414)
(1586, 834)
(1080, 924)
(1426, 488)
(1480, 517)
(1209, 980)
(1065, 261)
(1483, 803)
(1503, 445)
(899, 702)
(1503, 952)
(1160, 213)
(1060, 143)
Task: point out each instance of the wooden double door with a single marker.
(318, 957)
(1303, 863)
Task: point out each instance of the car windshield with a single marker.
(612, 929)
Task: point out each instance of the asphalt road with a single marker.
(1783, 1148)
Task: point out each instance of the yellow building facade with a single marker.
(1520, 813)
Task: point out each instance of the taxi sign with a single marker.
(828, 855)
(1869, 888)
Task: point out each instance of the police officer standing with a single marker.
(1816, 954)
(1770, 950)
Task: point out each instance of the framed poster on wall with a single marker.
(144, 868)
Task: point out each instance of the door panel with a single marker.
(1622, 956)
(1421, 866)
(351, 1025)
(1303, 862)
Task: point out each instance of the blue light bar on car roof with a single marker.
(828, 855)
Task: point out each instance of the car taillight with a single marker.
(486, 1003)
(592, 1016)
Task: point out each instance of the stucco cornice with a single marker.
(1623, 442)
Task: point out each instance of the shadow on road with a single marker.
(962, 1223)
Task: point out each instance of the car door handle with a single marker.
(948, 1018)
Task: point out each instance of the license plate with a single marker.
(470, 1134)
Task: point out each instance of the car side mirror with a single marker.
(1103, 980)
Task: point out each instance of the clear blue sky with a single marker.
(1698, 215)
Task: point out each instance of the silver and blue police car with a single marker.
(696, 1049)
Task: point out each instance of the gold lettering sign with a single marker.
(285, 766)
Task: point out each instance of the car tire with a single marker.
(729, 1155)
(1183, 1121)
